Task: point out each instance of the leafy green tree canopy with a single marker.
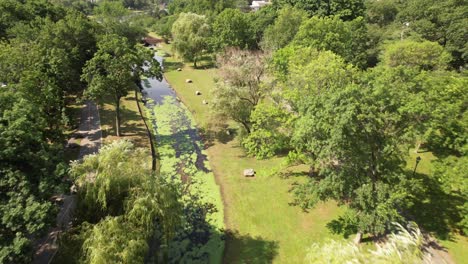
(425, 55)
(203, 7)
(346, 9)
(130, 204)
(191, 35)
(241, 86)
(347, 39)
(231, 28)
(284, 29)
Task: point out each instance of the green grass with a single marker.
(261, 225)
(132, 127)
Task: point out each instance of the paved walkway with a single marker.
(91, 134)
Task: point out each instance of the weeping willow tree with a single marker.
(403, 247)
(129, 205)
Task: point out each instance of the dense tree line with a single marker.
(50, 54)
(43, 48)
(347, 87)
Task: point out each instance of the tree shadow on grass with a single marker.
(223, 134)
(248, 249)
(435, 210)
(172, 65)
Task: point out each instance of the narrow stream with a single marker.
(182, 159)
(157, 92)
(155, 89)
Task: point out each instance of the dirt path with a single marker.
(91, 139)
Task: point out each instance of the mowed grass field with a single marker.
(262, 226)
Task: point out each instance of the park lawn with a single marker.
(261, 225)
(132, 126)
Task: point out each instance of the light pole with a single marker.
(418, 159)
(404, 28)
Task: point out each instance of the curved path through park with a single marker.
(91, 139)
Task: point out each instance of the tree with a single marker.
(347, 39)
(190, 33)
(29, 175)
(164, 26)
(114, 18)
(439, 21)
(241, 86)
(382, 12)
(115, 69)
(14, 12)
(129, 203)
(346, 9)
(425, 55)
(284, 29)
(231, 28)
(270, 131)
(260, 20)
(40, 62)
(435, 102)
(352, 134)
(209, 8)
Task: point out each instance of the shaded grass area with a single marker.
(73, 111)
(261, 225)
(132, 126)
(435, 210)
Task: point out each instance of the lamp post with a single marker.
(418, 159)
(404, 28)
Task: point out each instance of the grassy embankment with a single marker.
(261, 224)
(132, 126)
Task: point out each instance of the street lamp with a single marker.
(418, 159)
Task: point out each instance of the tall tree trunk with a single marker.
(195, 63)
(150, 135)
(246, 126)
(117, 117)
